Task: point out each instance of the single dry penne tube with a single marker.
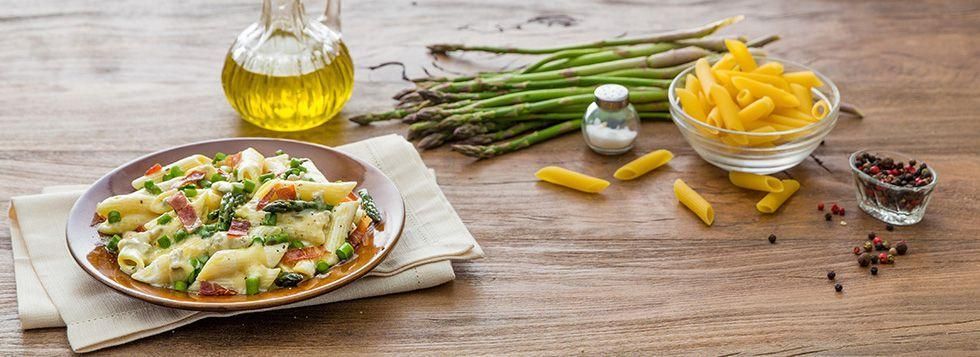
(820, 110)
(795, 114)
(727, 109)
(774, 200)
(775, 81)
(759, 140)
(769, 122)
(643, 164)
(804, 78)
(780, 97)
(692, 106)
(572, 179)
(726, 62)
(694, 202)
(803, 95)
(703, 71)
(787, 121)
(755, 182)
(741, 53)
(756, 110)
(771, 68)
(744, 98)
(692, 84)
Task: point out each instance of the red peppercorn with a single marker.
(857, 250)
(875, 170)
(820, 206)
(882, 257)
(842, 211)
(834, 208)
(876, 241)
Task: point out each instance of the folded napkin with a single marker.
(53, 291)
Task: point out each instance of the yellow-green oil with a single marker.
(290, 103)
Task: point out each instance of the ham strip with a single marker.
(188, 217)
(238, 228)
(280, 192)
(295, 255)
(96, 219)
(212, 289)
(191, 178)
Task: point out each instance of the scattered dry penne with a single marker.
(755, 182)
(572, 179)
(643, 164)
(773, 200)
(694, 202)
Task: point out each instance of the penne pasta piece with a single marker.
(693, 84)
(775, 81)
(741, 53)
(774, 200)
(803, 95)
(744, 98)
(787, 121)
(779, 97)
(184, 164)
(771, 68)
(571, 179)
(804, 78)
(691, 105)
(728, 111)
(795, 114)
(758, 109)
(694, 202)
(703, 71)
(755, 182)
(760, 140)
(643, 164)
(726, 61)
(820, 110)
(251, 165)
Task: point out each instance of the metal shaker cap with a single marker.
(612, 96)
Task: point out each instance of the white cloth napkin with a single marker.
(53, 291)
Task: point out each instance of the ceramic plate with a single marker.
(86, 245)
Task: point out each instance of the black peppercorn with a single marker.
(872, 235)
(901, 247)
(874, 259)
(889, 227)
(772, 239)
(831, 275)
(839, 287)
(874, 270)
(828, 216)
(864, 259)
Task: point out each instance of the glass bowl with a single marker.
(894, 204)
(789, 147)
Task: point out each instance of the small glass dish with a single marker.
(893, 204)
(786, 149)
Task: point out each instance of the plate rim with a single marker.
(236, 305)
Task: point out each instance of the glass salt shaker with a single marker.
(611, 124)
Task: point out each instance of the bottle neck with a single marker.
(284, 15)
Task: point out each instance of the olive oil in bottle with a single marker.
(285, 73)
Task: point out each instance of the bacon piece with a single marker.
(232, 160)
(238, 228)
(154, 169)
(360, 235)
(140, 228)
(350, 197)
(213, 289)
(280, 192)
(295, 255)
(192, 178)
(184, 211)
(96, 219)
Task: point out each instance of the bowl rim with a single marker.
(861, 174)
(81, 259)
(676, 109)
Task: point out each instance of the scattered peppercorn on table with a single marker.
(630, 270)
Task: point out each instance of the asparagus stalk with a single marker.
(433, 140)
(711, 44)
(561, 55)
(611, 55)
(365, 119)
(851, 109)
(696, 32)
(489, 151)
(507, 99)
(510, 132)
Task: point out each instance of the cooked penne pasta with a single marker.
(694, 202)
(755, 182)
(643, 164)
(774, 200)
(571, 179)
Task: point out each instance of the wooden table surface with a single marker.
(87, 86)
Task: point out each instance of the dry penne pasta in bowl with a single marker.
(753, 113)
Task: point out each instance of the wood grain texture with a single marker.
(87, 86)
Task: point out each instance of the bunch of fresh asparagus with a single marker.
(495, 113)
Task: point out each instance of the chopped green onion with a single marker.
(266, 177)
(203, 260)
(345, 251)
(113, 243)
(180, 235)
(189, 191)
(114, 217)
(280, 152)
(294, 162)
(219, 156)
(237, 187)
(152, 188)
(180, 285)
(252, 285)
(217, 177)
(248, 186)
(322, 266)
(173, 171)
(164, 242)
(296, 244)
(193, 275)
(258, 240)
(270, 219)
(204, 183)
(164, 219)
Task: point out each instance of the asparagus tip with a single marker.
(470, 150)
